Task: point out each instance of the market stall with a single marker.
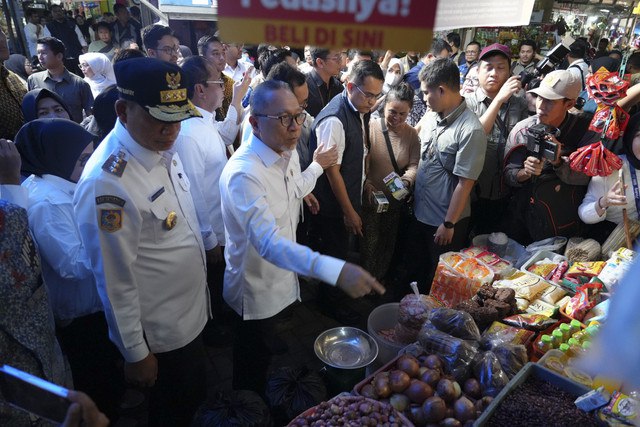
(498, 342)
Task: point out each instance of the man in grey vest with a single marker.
(344, 122)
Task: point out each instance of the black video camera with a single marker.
(549, 63)
(538, 144)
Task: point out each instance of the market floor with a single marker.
(299, 332)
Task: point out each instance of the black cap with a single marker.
(159, 87)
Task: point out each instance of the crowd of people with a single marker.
(165, 189)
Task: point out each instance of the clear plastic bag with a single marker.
(456, 353)
(458, 323)
(512, 358)
(489, 373)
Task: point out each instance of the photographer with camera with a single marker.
(546, 191)
(499, 109)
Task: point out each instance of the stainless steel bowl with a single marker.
(346, 348)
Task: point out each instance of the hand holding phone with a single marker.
(32, 394)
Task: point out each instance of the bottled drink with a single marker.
(575, 327)
(544, 344)
(566, 331)
(558, 338)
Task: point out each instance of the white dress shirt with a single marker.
(32, 33)
(230, 126)
(261, 209)
(237, 74)
(580, 69)
(331, 130)
(203, 154)
(16, 194)
(151, 277)
(66, 267)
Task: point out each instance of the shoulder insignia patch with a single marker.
(110, 220)
(114, 200)
(115, 164)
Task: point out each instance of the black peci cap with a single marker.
(158, 86)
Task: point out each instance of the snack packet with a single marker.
(540, 307)
(584, 300)
(530, 321)
(588, 269)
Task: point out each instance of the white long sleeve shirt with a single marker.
(16, 194)
(203, 155)
(230, 126)
(66, 267)
(261, 209)
(599, 186)
(32, 33)
(151, 277)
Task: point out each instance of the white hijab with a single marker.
(103, 75)
(392, 79)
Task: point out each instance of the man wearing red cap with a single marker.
(498, 110)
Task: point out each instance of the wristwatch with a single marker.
(448, 224)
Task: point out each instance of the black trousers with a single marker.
(252, 352)
(423, 253)
(488, 216)
(181, 385)
(96, 363)
(333, 241)
(215, 283)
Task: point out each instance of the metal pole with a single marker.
(16, 36)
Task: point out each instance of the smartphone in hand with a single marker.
(33, 394)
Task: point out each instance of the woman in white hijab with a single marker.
(392, 77)
(98, 71)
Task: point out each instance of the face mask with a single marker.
(392, 79)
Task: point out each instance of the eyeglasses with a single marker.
(83, 65)
(286, 119)
(168, 50)
(369, 96)
(220, 82)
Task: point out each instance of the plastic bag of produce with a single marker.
(290, 391)
(452, 285)
(489, 373)
(456, 353)
(512, 358)
(458, 323)
(414, 309)
(240, 408)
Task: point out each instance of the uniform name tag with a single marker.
(114, 200)
(157, 194)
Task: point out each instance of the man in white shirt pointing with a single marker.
(260, 209)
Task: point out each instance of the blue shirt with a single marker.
(411, 76)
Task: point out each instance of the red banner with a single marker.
(340, 24)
